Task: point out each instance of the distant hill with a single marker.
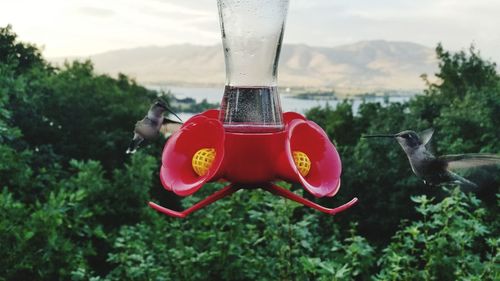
(363, 66)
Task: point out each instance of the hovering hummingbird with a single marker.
(436, 170)
(152, 124)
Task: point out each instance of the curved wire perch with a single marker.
(230, 189)
(294, 197)
(226, 191)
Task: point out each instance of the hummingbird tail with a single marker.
(134, 144)
(464, 183)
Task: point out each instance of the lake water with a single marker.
(288, 103)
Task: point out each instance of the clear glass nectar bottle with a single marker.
(252, 32)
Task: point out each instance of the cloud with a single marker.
(82, 27)
(95, 12)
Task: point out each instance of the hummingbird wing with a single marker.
(169, 128)
(426, 136)
(170, 121)
(470, 160)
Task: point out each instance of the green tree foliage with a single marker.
(451, 242)
(21, 57)
(251, 236)
(58, 215)
(463, 107)
(70, 112)
(89, 116)
(73, 205)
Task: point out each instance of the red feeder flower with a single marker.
(249, 142)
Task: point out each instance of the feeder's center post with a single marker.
(252, 31)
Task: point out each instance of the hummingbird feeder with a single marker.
(249, 142)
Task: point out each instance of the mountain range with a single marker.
(364, 66)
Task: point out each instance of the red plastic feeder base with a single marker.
(301, 153)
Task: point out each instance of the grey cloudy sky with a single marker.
(83, 27)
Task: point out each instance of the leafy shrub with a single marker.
(448, 243)
(73, 206)
(252, 235)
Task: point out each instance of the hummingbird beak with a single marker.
(379, 136)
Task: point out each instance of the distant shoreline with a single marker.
(305, 93)
(195, 99)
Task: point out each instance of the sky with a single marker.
(86, 27)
